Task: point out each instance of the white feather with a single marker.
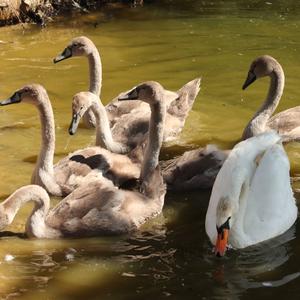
(259, 194)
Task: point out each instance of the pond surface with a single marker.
(171, 42)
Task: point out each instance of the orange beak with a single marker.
(221, 244)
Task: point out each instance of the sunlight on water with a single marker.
(172, 43)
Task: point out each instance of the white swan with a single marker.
(252, 199)
(129, 121)
(62, 178)
(286, 123)
(99, 207)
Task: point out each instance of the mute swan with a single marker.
(100, 207)
(68, 173)
(251, 201)
(135, 115)
(286, 123)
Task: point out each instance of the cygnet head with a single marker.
(79, 46)
(150, 92)
(226, 210)
(80, 104)
(30, 93)
(261, 67)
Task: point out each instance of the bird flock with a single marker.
(117, 185)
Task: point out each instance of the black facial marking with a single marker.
(223, 226)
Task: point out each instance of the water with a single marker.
(171, 42)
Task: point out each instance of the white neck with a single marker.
(103, 132)
(36, 226)
(155, 139)
(259, 122)
(237, 232)
(95, 69)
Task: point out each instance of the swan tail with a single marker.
(192, 89)
(181, 106)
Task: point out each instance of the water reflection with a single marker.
(253, 267)
(172, 42)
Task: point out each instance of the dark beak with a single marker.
(74, 124)
(250, 79)
(131, 95)
(15, 98)
(66, 54)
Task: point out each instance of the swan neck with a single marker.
(104, 136)
(14, 202)
(95, 69)
(274, 93)
(45, 159)
(155, 139)
(242, 204)
(259, 122)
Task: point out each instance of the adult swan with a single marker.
(252, 199)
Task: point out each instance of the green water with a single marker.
(171, 42)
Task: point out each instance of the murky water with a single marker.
(173, 43)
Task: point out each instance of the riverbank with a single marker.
(42, 11)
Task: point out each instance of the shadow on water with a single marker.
(4, 234)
